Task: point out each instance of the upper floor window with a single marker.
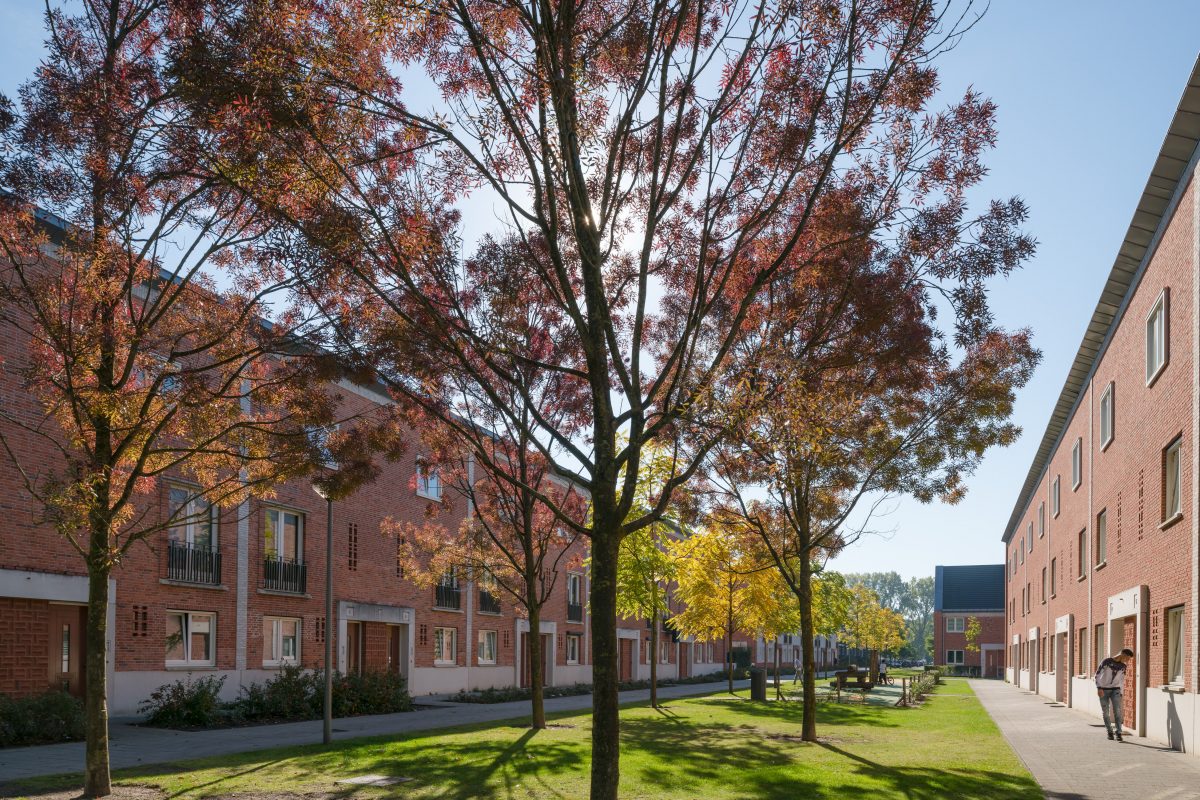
(1029, 537)
(1022, 549)
(429, 483)
(1101, 537)
(192, 519)
(1041, 520)
(283, 534)
(1077, 463)
(955, 625)
(1156, 338)
(1055, 499)
(1107, 416)
(1172, 481)
(1053, 577)
(1082, 545)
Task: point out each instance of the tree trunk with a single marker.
(729, 639)
(874, 656)
(778, 689)
(606, 720)
(537, 694)
(654, 659)
(97, 780)
(808, 725)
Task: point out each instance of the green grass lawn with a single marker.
(708, 747)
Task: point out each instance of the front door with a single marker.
(65, 657)
(1131, 678)
(355, 646)
(397, 649)
(1062, 663)
(626, 663)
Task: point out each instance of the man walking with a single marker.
(1110, 682)
(798, 664)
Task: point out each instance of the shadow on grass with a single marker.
(827, 713)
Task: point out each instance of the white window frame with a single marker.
(429, 484)
(186, 629)
(439, 647)
(1041, 519)
(1082, 541)
(1175, 646)
(1173, 485)
(1021, 549)
(276, 624)
(1055, 497)
(573, 646)
(192, 518)
(1158, 338)
(951, 660)
(1029, 536)
(485, 640)
(574, 588)
(280, 514)
(956, 624)
(1077, 464)
(1107, 415)
(1102, 537)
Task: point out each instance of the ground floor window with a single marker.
(1098, 646)
(1175, 632)
(573, 647)
(664, 651)
(487, 647)
(281, 641)
(444, 646)
(190, 638)
(954, 657)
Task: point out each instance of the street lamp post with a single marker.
(327, 733)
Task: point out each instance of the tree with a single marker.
(644, 570)
(870, 626)
(140, 365)
(659, 168)
(917, 609)
(889, 587)
(974, 628)
(770, 608)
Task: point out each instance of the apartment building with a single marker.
(1102, 549)
(962, 594)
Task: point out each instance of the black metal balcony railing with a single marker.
(574, 612)
(447, 596)
(285, 575)
(187, 562)
(488, 602)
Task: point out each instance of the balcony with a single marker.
(285, 575)
(574, 612)
(488, 602)
(447, 596)
(191, 564)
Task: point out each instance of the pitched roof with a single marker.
(978, 587)
(1157, 203)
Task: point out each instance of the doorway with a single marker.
(356, 644)
(547, 659)
(625, 665)
(397, 651)
(1129, 639)
(66, 651)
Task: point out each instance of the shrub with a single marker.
(185, 704)
(293, 693)
(368, 693)
(54, 716)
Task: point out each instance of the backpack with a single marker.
(1111, 675)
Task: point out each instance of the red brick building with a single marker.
(962, 594)
(1103, 548)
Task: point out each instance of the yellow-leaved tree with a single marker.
(872, 627)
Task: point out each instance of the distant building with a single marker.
(960, 594)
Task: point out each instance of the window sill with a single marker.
(444, 664)
(281, 593)
(1173, 688)
(1081, 578)
(572, 663)
(574, 622)
(481, 612)
(478, 663)
(430, 497)
(1100, 566)
(450, 610)
(1171, 521)
(220, 587)
(190, 667)
(1107, 444)
(1153, 379)
(279, 664)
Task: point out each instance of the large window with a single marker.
(955, 625)
(1107, 416)
(954, 657)
(429, 483)
(445, 646)
(1041, 520)
(281, 641)
(1101, 537)
(1053, 577)
(1043, 584)
(487, 647)
(1055, 499)
(1082, 552)
(574, 597)
(573, 645)
(1077, 464)
(191, 638)
(1156, 338)
(1172, 483)
(1022, 549)
(192, 519)
(283, 535)
(1175, 634)
(1029, 536)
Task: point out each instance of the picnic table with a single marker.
(852, 679)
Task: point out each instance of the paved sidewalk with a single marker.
(1068, 754)
(130, 745)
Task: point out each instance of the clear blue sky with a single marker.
(1085, 91)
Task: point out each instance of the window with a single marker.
(1172, 484)
(954, 625)
(281, 641)
(1041, 520)
(1106, 417)
(1053, 577)
(574, 597)
(352, 547)
(429, 484)
(710, 653)
(1098, 646)
(1055, 500)
(190, 638)
(1029, 537)
(489, 593)
(573, 642)
(447, 593)
(318, 441)
(1101, 537)
(954, 657)
(1175, 632)
(192, 519)
(1077, 464)
(664, 651)
(1022, 549)
(1156, 338)
(1082, 545)
(283, 535)
(444, 646)
(1043, 585)
(1081, 666)
(487, 647)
